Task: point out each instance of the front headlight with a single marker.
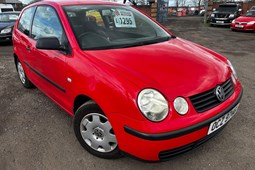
(232, 68)
(153, 105)
(212, 15)
(233, 21)
(231, 15)
(6, 31)
(251, 23)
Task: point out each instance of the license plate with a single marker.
(239, 26)
(217, 124)
(220, 22)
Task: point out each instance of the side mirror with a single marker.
(48, 43)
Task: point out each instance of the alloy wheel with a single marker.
(97, 132)
(21, 72)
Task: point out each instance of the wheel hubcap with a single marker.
(97, 132)
(21, 73)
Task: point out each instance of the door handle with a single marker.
(28, 48)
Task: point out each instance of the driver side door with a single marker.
(48, 66)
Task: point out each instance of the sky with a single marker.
(25, 1)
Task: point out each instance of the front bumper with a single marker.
(162, 146)
(5, 37)
(221, 21)
(243, 27)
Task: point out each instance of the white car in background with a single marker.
(6, 8)
(251, 9)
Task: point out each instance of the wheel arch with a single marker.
(80, 100)
(15, 56)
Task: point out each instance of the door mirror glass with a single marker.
(48, 43)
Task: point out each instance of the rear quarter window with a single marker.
(26, 20)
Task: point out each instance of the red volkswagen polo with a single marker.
(245, 22)
(131, 86)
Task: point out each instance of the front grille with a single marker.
(207, 100)
(166, 155)
(222, 15)
(241, 23)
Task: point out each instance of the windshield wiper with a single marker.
(157, 40)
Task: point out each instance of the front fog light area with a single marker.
(181, 106)
(153, 105)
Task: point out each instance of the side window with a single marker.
(25, 20)
(46, 24)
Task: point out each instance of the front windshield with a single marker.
(106, 27)
(227, 8)
(8, 17)
(250, 14)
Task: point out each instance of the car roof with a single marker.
(78, 2)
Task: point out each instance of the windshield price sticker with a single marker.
(124, 19)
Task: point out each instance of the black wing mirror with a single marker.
(48, 43)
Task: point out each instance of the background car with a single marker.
(251, 9)
(7, 21)
(245, 22)
(225, 14)
(6, 8)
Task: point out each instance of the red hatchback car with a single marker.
(245, 22)
(131, 86)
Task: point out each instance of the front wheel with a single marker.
(94, 131)
(22, 75)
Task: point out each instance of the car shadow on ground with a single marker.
(9, 43)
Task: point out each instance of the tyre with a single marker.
(94, 131)
(22, 75)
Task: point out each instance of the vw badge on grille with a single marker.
(220, 94)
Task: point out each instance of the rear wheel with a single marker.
(22, 75)
(94, 131)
